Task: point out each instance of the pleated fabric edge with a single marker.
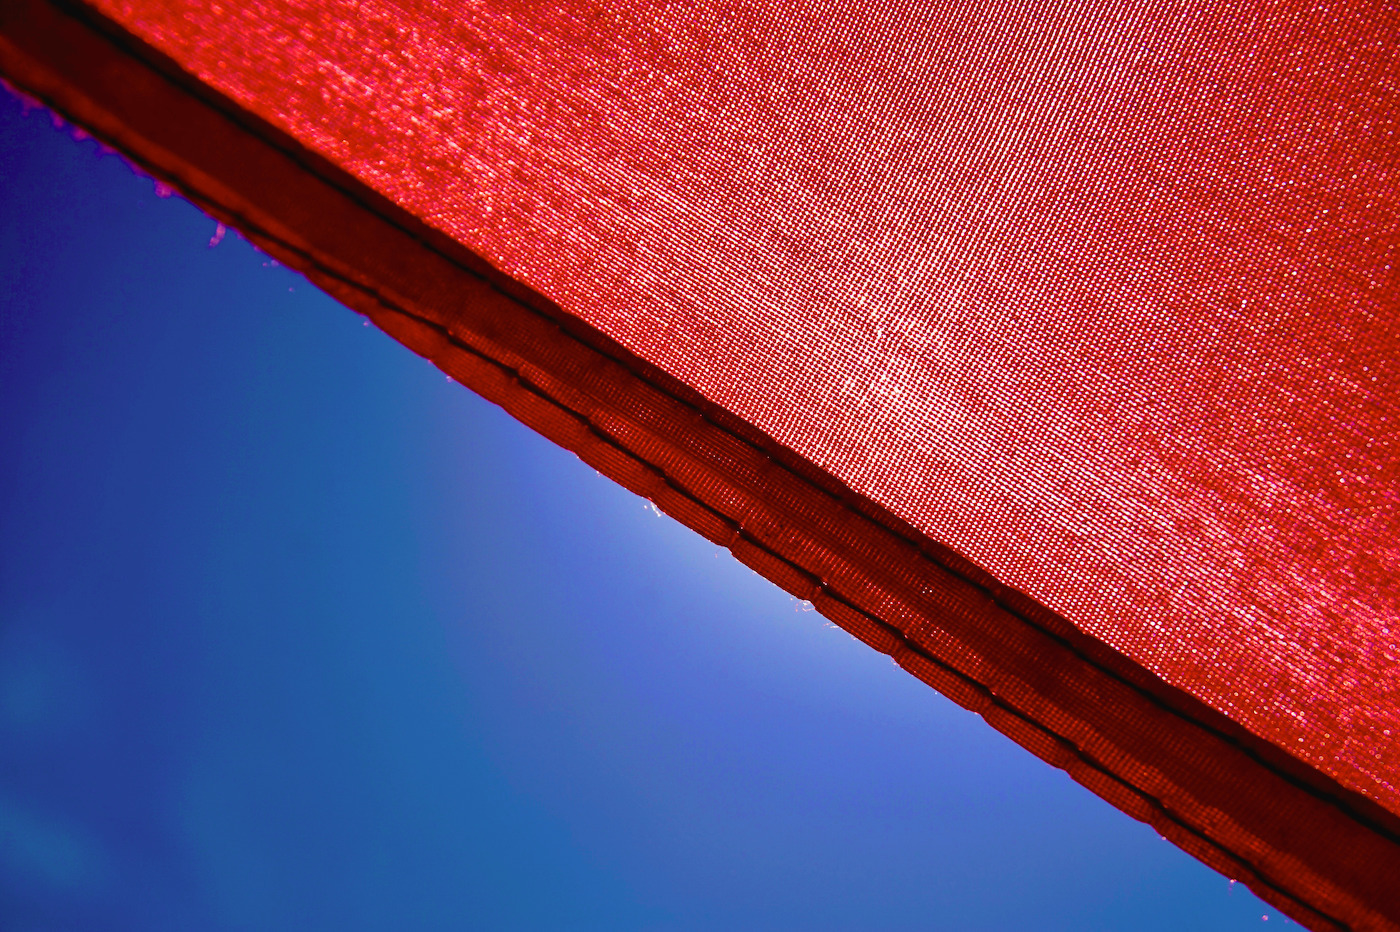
(1325, 855)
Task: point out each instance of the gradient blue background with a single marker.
(297, 634)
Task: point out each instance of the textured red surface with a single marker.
(1104, 301)
(1103, 298)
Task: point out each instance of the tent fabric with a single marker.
(1044, 347)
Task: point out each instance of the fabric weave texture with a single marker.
(1102, 301)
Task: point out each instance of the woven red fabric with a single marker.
(1104, 301)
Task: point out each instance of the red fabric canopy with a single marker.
(1046, 346)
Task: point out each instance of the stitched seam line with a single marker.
(826, 589)
(740, 534)
(522, 380)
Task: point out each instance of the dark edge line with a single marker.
(136, 50)
(740, 534)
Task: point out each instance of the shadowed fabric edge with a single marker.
(1324, 854)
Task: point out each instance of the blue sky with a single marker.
(295, 633)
